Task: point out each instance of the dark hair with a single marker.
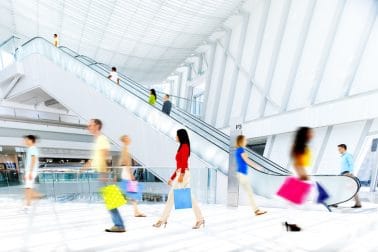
(167, 95)
(239, 139)
(55, 35)
(114, 69)
(31, 138)
(300, 142)
(183, 138)
(343, 146)
(98, 122)
(153, 92)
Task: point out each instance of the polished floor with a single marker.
(77, 226)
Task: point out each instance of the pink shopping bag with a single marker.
(294, 190)
(132, 186)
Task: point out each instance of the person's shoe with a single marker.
(291, 227)
(356, 206)
(259, 212)
(199, 224)
(140, 215)
(115, 229)
(159, 224)
(334, 205)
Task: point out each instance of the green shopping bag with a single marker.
(113, 197)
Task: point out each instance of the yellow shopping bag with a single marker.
(113, 197)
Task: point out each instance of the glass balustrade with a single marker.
(74, 185)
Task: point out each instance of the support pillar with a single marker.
(233, 183)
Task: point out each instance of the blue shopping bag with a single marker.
(322, 194)
(182, 198)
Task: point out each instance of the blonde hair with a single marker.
(124, 137)
(239, 140)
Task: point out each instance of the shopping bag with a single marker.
(132, 186)
(182, 198)
(137, 195)
(294, 190)
(112, 196)
(322, 194)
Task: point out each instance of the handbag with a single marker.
(322, 194)
(137, 195)
(112, 196)
(132, 186)
(294, 190)
(182, 198)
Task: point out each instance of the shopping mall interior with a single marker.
(201, 125)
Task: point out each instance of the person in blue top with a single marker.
(242, 162)
(347, 169)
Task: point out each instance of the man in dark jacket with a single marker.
(167, 105)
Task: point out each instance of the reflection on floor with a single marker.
(76, 226)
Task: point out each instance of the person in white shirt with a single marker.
(31, 169)
(113, 75)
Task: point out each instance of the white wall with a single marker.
(290, 54)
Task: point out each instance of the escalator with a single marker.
(83, 88)
(182, 116)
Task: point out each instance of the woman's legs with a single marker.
(137, 212)
(168, 207)
(196, 210)
(244, 182)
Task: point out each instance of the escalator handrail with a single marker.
(250, 152)
(225, 149)
(146, 89)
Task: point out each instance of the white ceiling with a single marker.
(146, 39)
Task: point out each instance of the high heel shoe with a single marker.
(291, 227)
(159, 224)
(199, 224)
(259, 212)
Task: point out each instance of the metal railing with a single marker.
(72, 184)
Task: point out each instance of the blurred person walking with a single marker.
(347, 170)
(181, 179)
(98, 161)
(113, 75)
(31, 170)
(56, 40)
(242, 162)
(126, 163)
(167, 105)
(152, 99)
(301, 156)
